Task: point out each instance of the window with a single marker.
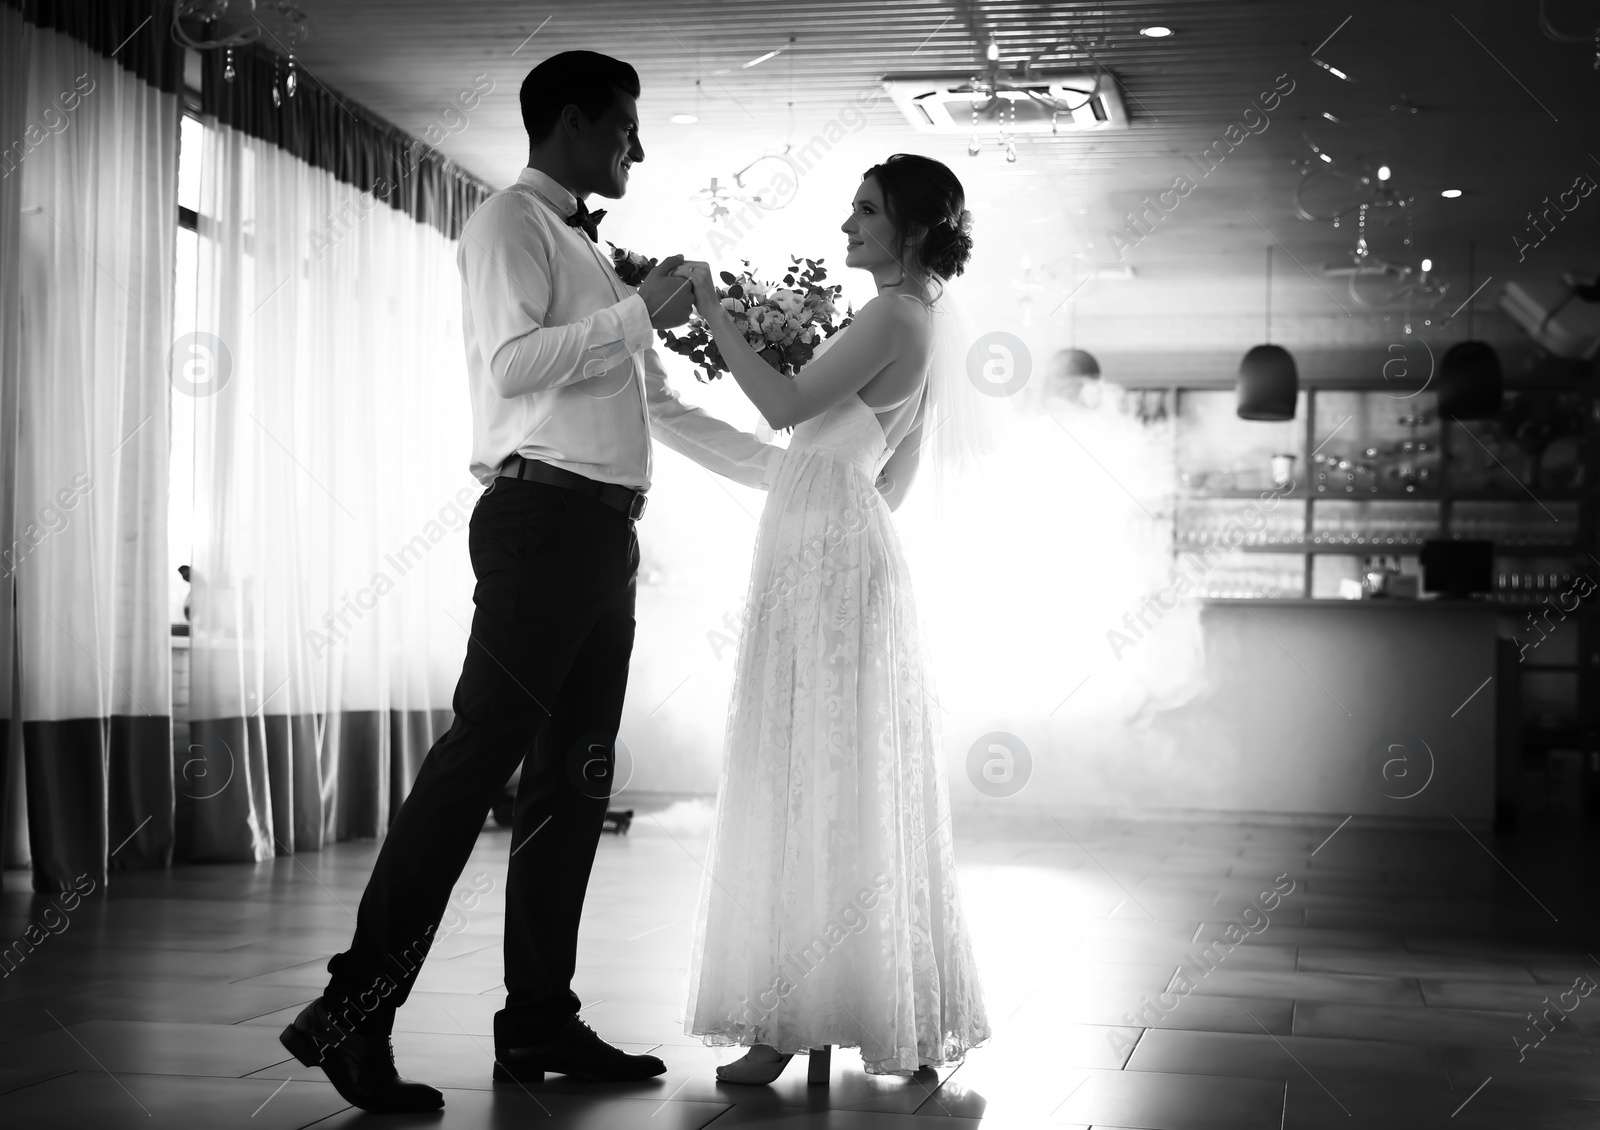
(185, 312)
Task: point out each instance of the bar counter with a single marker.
(1376, 708)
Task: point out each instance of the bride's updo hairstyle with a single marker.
(924, 198)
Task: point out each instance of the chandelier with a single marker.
(779, 169)
(289, 30)
(714, 199)
(1330, 191)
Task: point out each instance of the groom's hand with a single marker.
(698, 273)
(668, 299)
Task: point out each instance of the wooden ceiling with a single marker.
(1470, 95)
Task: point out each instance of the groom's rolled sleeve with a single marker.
(507, 282)
(714, 444)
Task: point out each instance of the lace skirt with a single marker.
(830, 913)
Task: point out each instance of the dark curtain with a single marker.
(132, 32)
(330, 131)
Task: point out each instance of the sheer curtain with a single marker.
(15, 38)
(85, 455)
(331, 583)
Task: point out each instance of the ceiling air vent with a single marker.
(1038, 102)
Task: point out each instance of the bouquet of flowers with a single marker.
(784, 324)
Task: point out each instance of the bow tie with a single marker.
(587, 220)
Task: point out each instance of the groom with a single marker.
(565, 388)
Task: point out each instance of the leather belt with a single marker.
(629, 501)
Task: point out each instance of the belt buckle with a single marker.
(636, 510)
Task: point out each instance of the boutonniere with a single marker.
(631, 267)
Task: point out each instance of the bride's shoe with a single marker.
(760, 1065)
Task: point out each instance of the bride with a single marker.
(830, 912)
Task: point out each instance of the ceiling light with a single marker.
(1156, 32)
(684, 119)
(1326, 158)
(1450, 193)
(1330, 117)
(1332, 70)
(1383, 172)
(1427, 265)
(759, 59)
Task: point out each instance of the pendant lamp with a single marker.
(1080, 362)
(1268, 382)
(1470, 382)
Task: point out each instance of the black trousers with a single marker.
(542, 684)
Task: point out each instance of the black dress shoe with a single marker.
(359, 1065)
(574, 1050)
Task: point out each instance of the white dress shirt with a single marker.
(560, 364)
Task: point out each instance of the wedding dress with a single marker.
(829, 913)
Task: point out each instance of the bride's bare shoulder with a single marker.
(901, 315)
(897, 340)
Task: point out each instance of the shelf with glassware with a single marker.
(1372, 477)
(1383, 476)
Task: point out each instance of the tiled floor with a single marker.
(1389, 989)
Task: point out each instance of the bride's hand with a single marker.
(698, 273)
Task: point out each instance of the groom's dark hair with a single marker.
(585, 79)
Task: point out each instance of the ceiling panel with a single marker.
(1470, 95)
